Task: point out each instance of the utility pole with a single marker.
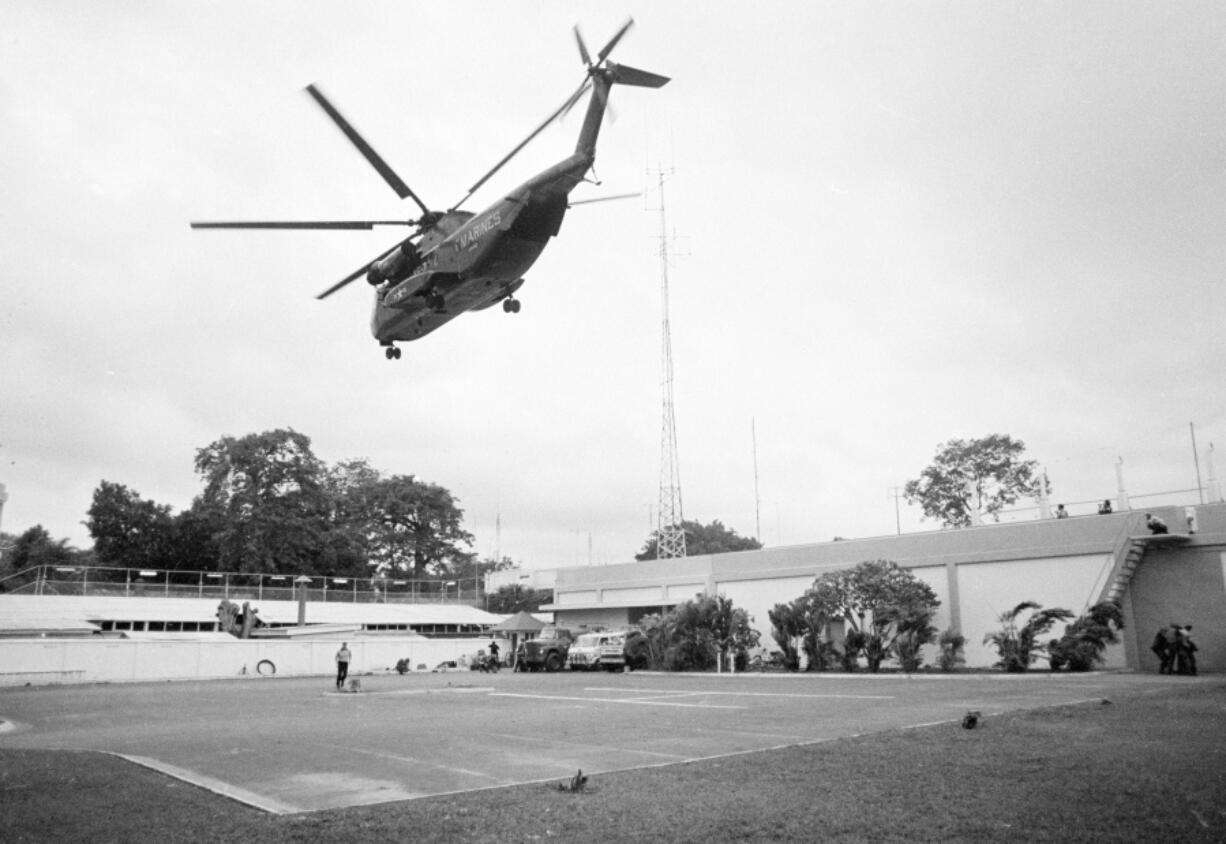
(757, 501)
(670, 535)
(1200, 489)
(895, 492)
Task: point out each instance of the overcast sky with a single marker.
(891, 224)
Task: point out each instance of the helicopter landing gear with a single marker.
(511, 306)
(391, 352)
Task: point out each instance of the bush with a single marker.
(1018, 646)
(853, 642)
(1085, 639)
(951, 642)
(823, 655)
(689, 637)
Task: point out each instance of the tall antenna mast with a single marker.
(757, 501)
(670, 535)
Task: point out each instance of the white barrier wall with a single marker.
(106, 660)
(989, 589)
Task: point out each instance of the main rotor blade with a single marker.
(583, 54)
(626, 75)
(389, 175)
(574, 99)
(603, 199)
(608, 48)
(356, 273)
(565, 107)
(304, 224)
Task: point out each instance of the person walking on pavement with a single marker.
(343, 657)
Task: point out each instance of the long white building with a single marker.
(978, 573)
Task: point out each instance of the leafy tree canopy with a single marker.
(509, 600)
(35, 547)
(873, 593)
(265, 494)
(415, 527)
(129, 531)
(269, 505)
(969, 477)
(703, 539)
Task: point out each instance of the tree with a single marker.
(509, 600)
(1017, 645)
(264, 494)
(972, 477)
(416, 527)
(689, 636)
(879, 602)
(33, 548)
(129, 531)
(703, 539)
(789, 624)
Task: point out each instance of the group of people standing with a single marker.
(1175, 649)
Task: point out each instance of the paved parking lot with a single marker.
(293, 745)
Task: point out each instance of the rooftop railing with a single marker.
(155, 583)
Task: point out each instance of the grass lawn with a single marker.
(1147, 767)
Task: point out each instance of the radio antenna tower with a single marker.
(670, 535)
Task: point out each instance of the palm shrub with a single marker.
(951, 644)
(657, 632)
(788, 626)
(1018, 646)
(823, 654)
(692, 634)
(1084, 641)
(853, 642)
(915, 629)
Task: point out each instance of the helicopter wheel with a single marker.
(511, 306)
(391, 353)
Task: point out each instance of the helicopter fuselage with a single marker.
(481, 261)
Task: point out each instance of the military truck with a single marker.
(547, 652)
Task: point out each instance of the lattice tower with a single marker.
(670, 536)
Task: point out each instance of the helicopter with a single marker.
(457, 261)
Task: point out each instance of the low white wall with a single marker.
(106, 660)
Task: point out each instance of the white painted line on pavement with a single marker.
(692, 692)
(616, 700)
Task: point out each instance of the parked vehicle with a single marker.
(593, 651)
(546, 652)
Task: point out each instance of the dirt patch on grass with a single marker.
(1143, 768)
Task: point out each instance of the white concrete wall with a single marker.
(106, 660)
(758, 598)
(989, 589)
(938, 580)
